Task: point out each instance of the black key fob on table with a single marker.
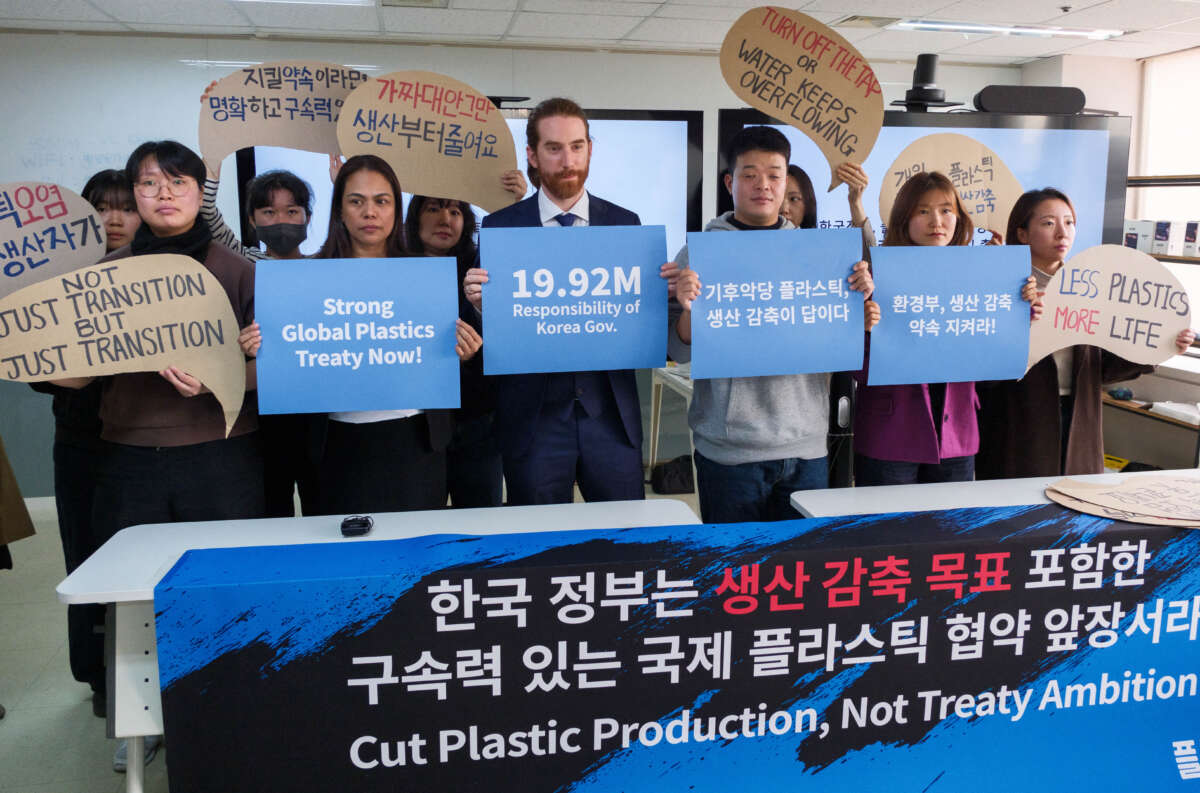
(357, 525)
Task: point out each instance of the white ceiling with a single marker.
(1153, 27)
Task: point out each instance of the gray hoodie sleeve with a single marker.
(677, 350)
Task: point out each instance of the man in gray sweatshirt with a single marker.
(757, 439)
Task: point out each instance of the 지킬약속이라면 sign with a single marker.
(803, 73)
(293, 104)
(45, 230)
(1115, 298)
(140, 314)
(441, 136)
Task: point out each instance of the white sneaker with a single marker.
(121, 756)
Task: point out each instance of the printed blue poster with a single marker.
(949, 315)
(356, 334)
(776, 302)
(573, 299)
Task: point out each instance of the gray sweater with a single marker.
(752, 419)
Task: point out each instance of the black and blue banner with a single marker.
(1022, 648)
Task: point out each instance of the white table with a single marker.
(125, 570)
(943, 495)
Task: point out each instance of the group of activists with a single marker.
(152, 447)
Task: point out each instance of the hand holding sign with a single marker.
(45, 230)
(441, 136)
(1116, 298)
(163, 313)
(986, 186)
(294, 104)
(801, 72)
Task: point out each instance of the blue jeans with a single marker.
(870, 471)
(755, 491)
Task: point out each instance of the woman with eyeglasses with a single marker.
(168, 458)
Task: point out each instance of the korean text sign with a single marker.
(949, 314)
(776, 302)
(889, 648)
(295, 104)
(45, 230)
(443, 137)
(357, 334)
(573, 299)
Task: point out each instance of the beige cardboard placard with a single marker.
(294, 104)
(1113, 297)
(140, 314)
(441, 136)
(1079, 505)
(986, 186)
(45, 230)
(1173, 498)
(802, 72)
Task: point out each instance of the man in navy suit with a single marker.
(556, 429)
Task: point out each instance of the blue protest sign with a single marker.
(356, 334)
(574, 299)
(949, 315)
(776, 302)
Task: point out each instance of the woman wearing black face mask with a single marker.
(279, 205)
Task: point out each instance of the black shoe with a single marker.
(100, 704)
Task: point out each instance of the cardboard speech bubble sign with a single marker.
(986, 186)
(1116, 298)
(294, 104)
(140, 314)
(45, 230)
(442, 137)
(803, 73)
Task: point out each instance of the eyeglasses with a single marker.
(149, 188)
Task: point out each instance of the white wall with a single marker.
(77, 103)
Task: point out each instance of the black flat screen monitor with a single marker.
(1087, 157)
(648, 161)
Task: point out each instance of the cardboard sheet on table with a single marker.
(1168, 498)
(1079, 505)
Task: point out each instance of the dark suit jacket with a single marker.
(519, 397)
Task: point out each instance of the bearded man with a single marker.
(561, 428)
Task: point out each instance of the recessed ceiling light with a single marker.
(930, 26)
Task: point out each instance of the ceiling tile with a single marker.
(551, 40)
(1192, 27)
(1010, 12)
(856, 35)
(600, 7)
(1130, 15)
(190, 30)
(742, 4)
(690, 11)
(876, 8)
(77, 10)
(318, 18)
(689, 31)
(572, 26)
(64, 25)
(171, 16)
(1017, 46)
(445, 21)
(914, 41)
(1126, 48)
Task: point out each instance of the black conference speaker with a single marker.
(1038, 100)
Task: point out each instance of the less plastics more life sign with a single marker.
(140, 314)
(441, 136)
(45, 230)
(294, 104)
(986, 186)
(357, 334)
(803, 73)
(1115, 298)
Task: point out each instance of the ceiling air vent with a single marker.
(860, 21)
